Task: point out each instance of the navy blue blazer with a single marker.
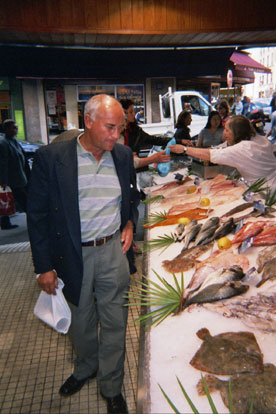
(53, 210)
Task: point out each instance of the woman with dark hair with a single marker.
(182, 133)
(251, 154)
(212, 134)
(224, 111)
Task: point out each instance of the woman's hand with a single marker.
(177, 148)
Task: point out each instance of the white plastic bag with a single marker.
(54, 310)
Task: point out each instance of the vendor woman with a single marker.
(251, 154)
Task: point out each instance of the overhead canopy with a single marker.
(244, 62)
(112, 63)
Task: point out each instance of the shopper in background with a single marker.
(14, 169)
(247, 106)
(212, 134)
(224, 111)
(237, 106)
(182, 133)
(272, 131)
(139, 116)
(251, 154)
(81, 208)
(273, 103)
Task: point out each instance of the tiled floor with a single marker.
(35, 360)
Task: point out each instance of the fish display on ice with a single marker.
(215, 292)
(190, 234)
(225, 229)
(244, 387)
(228, 353)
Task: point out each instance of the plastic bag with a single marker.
(7, 205)
(163, 168)
(54, 310)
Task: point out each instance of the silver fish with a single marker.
(233, 273)
(181, 230)
(225, 229)
(207, 231)
(265, 256)
(217, 292)
(191, 234)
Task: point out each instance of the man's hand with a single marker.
(127, 236)
(161, 157)
(187, 142)
(48, 282)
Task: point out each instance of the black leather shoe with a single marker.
(73, 385)
(9, 227)
(116, 405)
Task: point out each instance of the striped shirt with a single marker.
(99, 193)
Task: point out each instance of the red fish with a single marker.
(250, 229)
(266, 237)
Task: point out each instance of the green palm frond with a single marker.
(161, 242)
(153, 199)
(256, 187)
(270, 197)
(166, 297)
(155, 218)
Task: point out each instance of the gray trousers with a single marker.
(98, 327)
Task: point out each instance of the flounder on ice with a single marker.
(228, 353)
(244, 387)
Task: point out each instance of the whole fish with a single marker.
(225, 229)
(269, 272)
(207, 230)
(186, 260)
(233, 273)
(250, 229)
(191, 234)
(265, 256)
(216, 292)
(267, 237)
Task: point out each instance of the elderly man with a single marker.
(81, 208)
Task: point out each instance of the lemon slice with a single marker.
(183, 220)
(224, 243)
(192, 189)
(205, 202)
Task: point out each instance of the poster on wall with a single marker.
(51, 101)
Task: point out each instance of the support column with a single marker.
(71, 104)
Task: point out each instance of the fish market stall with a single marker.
(217, 251)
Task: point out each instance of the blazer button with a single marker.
(58, 234)
(61, 257)
(56, 209)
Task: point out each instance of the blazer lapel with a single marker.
(67, 176)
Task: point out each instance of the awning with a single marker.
(244, 62)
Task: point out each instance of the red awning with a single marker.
(244, 62)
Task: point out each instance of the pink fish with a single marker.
(250, 229)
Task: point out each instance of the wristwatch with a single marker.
(184, 149)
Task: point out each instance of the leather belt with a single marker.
(97, 242)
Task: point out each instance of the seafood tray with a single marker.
(168, 348)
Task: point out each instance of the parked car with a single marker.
(264, 105)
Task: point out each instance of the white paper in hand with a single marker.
(54, 310)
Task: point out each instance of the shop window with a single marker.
(56, 111)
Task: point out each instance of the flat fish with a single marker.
(186, 260)
(228, 353)
(243, 386)
(207, 230)
(265, 256)
(269, 272)
(216, 292)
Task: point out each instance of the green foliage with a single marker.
(256, 187)
(161, 242)
(154, 199)
(155, 218)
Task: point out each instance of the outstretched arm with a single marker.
(201, 153)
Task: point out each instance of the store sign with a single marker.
(229, 78)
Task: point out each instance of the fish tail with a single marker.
(210, 382)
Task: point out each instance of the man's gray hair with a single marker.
(92, 106)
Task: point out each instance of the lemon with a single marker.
(183, 220)
(205, 202)
(191, 189)
(224, 243)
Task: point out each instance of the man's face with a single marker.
(105, 130)
(130, 113)
(11, 130)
